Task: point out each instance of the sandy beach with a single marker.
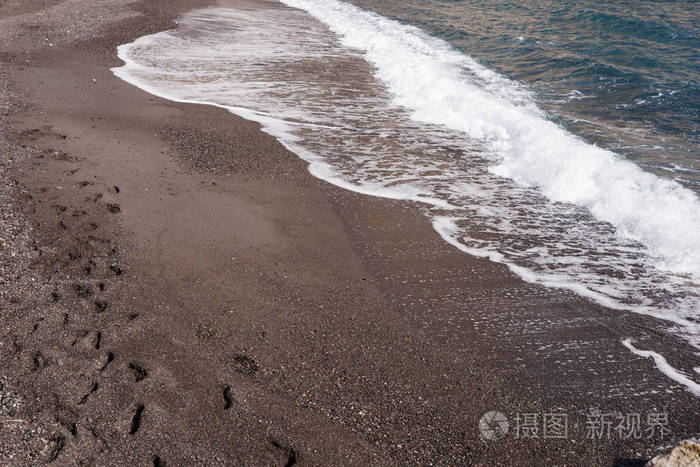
(177, 289)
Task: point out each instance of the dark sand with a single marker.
(176, 288)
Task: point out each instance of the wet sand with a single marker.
(176, 288)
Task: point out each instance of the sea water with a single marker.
(557, 138)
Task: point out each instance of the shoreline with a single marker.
(255, 346)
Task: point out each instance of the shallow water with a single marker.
(504, 168)
(622, 74)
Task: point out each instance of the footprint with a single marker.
(100, 305)
(140, 372)
(227, 398)
(85, 397)
(62, 156)
(39, 361)
(245, 364)
(36, 326)
(68, 425)
(81, 336)
(59, 442)
(110, 357)
(136, 421)
(113, 208)
(289, 451)
(82, 291)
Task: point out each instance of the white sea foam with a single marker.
(427, 76)
(429, 124)
(664, 367)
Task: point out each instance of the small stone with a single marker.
(685, 454)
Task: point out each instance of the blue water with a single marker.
(623, 75)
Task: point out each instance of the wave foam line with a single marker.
(664, 367)
(276, 127)
(448, 230)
